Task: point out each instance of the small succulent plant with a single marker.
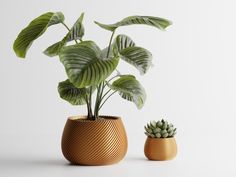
(160, 129)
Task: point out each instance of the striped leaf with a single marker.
(130, 89)
(76, 32)
(68, 92)
(84, 64)
(122, 41)
(139, 57)
(34, 30)
(157, 22)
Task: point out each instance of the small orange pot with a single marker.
(94, 142)
(160, 148)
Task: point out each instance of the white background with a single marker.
(192, 85)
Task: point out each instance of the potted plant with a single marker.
(160, 143)
(93, 139)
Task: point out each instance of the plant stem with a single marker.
(97, 102)
(105, 94)
(89, 116)
(109, 46)
(106, 99)
(102, 85)
(69, 31)
(90, 98)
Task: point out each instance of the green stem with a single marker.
(97, 102)
(105, 94)
(90, 100)
(69, 31)
(102, 85)
(90, 116)
(109, 46)
(106, 99)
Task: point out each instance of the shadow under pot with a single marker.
(94, 142)
(160, 148)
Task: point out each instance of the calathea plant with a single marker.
(89, 68)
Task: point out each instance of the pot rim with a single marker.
(160, 139)
(83, 118)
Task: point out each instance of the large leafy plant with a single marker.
(89, 68)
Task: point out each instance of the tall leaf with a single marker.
(76, 32)
(84, 64)
(157, 22)
(34, 30)
(130, 89)
(68, 92)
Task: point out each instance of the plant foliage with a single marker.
(89, 68)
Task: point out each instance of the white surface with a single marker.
(192, 85)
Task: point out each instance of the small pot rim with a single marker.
(160, 139)
(83, 118)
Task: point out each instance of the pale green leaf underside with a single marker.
(34, 30)
(54, 49)
(157, 22)
(130, 89)
(84, 64)
(76, 32)
(68, 92)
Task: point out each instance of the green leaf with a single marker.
(76, 32)
(34, 30)
(84, 64)
(139, 57)
(130, 89)
(136, 56)
(68, 92)
(54, 49)
(122, 41)
(157, 22)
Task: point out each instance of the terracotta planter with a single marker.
(99, 142)
(160, 148)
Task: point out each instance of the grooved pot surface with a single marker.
(160, 148)
(98, 142)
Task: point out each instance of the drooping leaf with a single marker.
(84, 64)
(157, 22)
(34, 30)
(139, 57)
(130, 89)
(68, 92)
(76, 32)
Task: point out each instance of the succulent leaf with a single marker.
(160, 129)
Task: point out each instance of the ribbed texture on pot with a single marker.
(99, 142)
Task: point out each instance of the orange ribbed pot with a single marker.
(160, 148)
(94, 142)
